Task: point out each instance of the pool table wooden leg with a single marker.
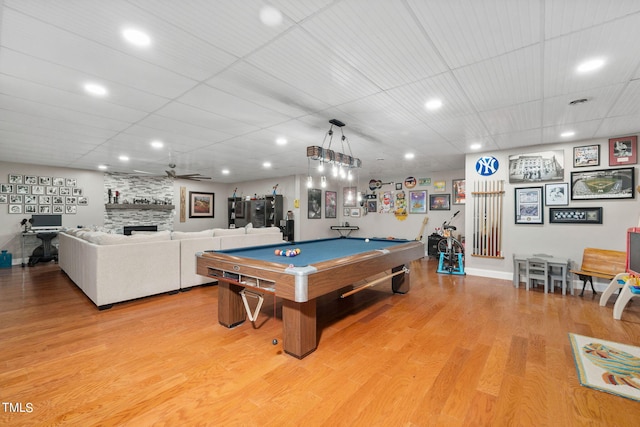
(299, 325)
(230, 307)
(400, 283)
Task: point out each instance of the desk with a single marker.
(322, 267)
(48, 252)
(554, 261)
(344, 230)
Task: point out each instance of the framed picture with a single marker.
(349, 197)
(418, 202)
(6, 188)
(38, 189)
(529, 205)
(46, 200)
(424, 181)
(70, 209)
(4, 198)
(200, 204)
(44, 180)
(556, 194)
(355, 212)
(64, 191)
(15, 198)
(346, 212)
(71, 182)
(15, 179)
(59, 182)
(575, 215)
(587, 155)
(15, 209)
(31, 180)
(51, 191)
(439, 186)
(603, 184)
(440, 202)
(459, 193)
(83, 200)
(30, 199)
(623, 151)
(330, 204)
(22, 189)
(536, 167)
(314, 203)
(398, 186)
(56, 209)
(34, 209)
(44, 209)
(372, 206)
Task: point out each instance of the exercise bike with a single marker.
(451, 251)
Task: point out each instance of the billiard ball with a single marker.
(274, 342)
(366, 240)
(277, 252)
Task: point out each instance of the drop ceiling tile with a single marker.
(379, 38)
(628, 102)
(268, 90)
(564, 17)
(232, 107)
(509, 140)
(614, 42)
(613, 127)
(99, 62)
(512, 78)
(172, 48)
(557, 110)
(312, 67)
(233, 26)
(583, 130)
(466, 32)
(513, 118)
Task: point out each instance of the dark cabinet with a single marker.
(264, 211)
(432, 245)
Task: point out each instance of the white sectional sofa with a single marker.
(111, 268)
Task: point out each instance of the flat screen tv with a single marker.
(46, 222)
(633, 251)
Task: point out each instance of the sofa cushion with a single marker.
(181, 235)
(228, 231)
(119, 239)
(264, 230)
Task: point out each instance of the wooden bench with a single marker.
(601, 263)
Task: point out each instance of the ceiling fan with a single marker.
(191, 176)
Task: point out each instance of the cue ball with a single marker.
(366, 240)
(274, 342)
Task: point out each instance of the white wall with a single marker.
(567, 240)
(91, 183)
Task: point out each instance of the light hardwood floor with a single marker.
(455, 351)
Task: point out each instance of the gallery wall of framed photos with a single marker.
(33, 194)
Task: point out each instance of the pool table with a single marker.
(323, 266)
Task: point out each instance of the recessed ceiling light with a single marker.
(476, 146)
(409, 156)
(136, 37)
(591, 65)
(266, 164)
(281, 141)
(433, 104)
(124, 158)
(270, 16)
(102, 167)
(225, 172)
(157, 144)
(567, 134)
(95, 89)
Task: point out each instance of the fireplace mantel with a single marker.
(110, 206)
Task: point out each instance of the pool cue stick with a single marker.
(493, 218)
(373, 283)
(501, 195)
(476, 237)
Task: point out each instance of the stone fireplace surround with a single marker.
(133, 187)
